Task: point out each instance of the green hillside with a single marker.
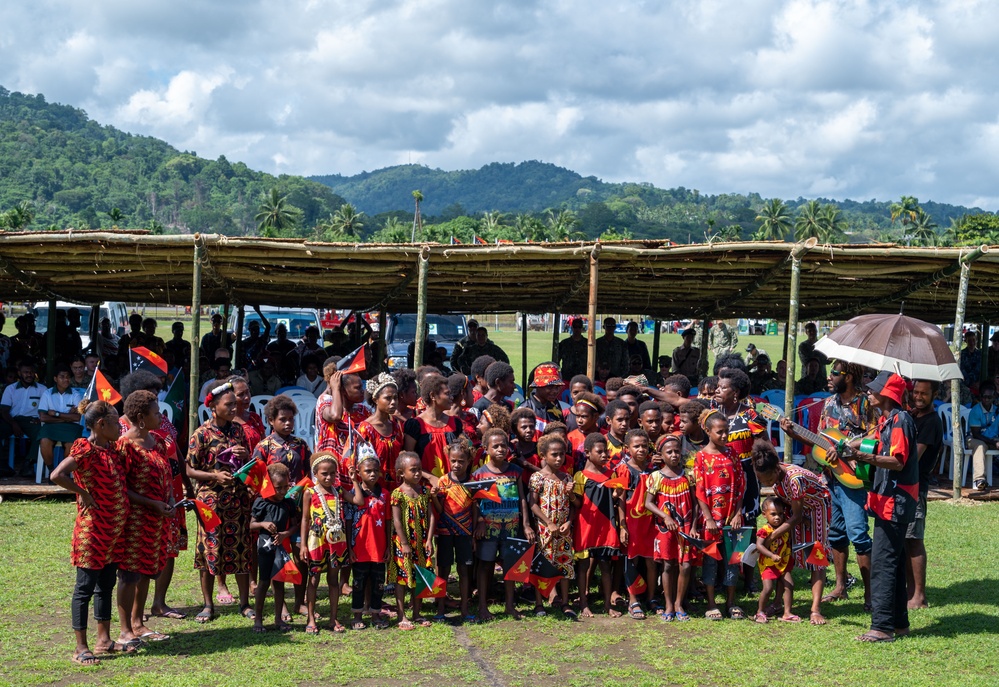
(73, 172)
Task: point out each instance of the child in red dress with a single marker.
(775, 562)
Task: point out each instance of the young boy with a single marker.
(618, 417)
(524, 446)
(650, 419)
(638, 533)
(499, 521)
(595, 533)
(274, 519)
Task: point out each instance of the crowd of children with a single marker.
(629, 491)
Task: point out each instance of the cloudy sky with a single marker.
(842, 99)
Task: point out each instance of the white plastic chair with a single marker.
(305, 420)
(944, 411)
(204, 414)
(58, 451)
(167, 410)
(258, 402)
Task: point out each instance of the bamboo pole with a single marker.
(591, 313)
(656, 336)
(556, 322)
(50, 344)
(523, 354)
(195, 381)
(957, 436)
(421, 307)
(791, 347)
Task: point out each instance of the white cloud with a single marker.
(842, 98)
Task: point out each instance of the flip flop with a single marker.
(736, 613)
(667, 617)
(122, 648)
(405, 625)
(86, 659)
(761, 618)
(172, 615)
(790, 619)
(470, 619)
(259, 628)
(873, 639)
(569, 613)
(153, 636)
(682, 617)
(248, 612)
(205, 616)
(713, 614)
(224, 599)
(359, 625)
(423, 622)
(338, 629)
(311, 630)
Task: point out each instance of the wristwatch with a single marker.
(56, 413)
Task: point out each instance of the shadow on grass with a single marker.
(961, 625)
(208, 640)
(984, 590)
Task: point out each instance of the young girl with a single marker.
(692, 436)
(499, 521)
(553, 501)
(595, 536)
(432, 431)
(461, 405)
(618, 418)
(281, 445)
(668, 493)
(413, 522)
(636, 525)
(719, 483)
(560, 429)
(524, 444)
(368, 521)
(324, 541)
(273, 518)
(494, 416)
(149, 482)
(383, 430)
(775, 562)
(93, 471)
(587, 409)
(458, 519)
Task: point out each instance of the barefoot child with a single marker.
(93, 471)
(367, 519)
(553, 502)
(324, 540)
(719, 484)
(413, 526)
(458, 518)
(775, 562)
(499, 521)
(595, 535)
(638, 533)
(667, 493)
(273, 518)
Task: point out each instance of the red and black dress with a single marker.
(98, 532)
(147, 534)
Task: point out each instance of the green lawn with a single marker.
(953, 643)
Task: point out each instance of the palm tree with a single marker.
(905, 211)
(775, 221)
(833, 224)
(531, 228)
(116, 216)
(19, 216)
(417, 220)
(491, 221)
(809, 223)
(347, 221)
(562, 225)
(924, 229)
(276, 214)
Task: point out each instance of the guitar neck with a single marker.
(808, 436)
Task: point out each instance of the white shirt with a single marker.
(316, 387)
(60, 403)
(23, 400)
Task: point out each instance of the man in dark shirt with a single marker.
(929, 439)
(463, 342)
(806, 350)
(572, 351)
(636, 346)
(811, 382)
(481, 346)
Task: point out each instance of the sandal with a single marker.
(283, 627)
(736, 613)
(868, 637)
(440, 618)
(657, 607)
(539, 613)
(713, 614)
(153, 636)
(224, 599)
(667, 617)
(172, 615)
(569, 613)
(790, 619)
(406, 625)
(682, 617)
(337, 628)
(311, 630)
(86, 658)
(205, 616)
(379, 623)
(423, 622)
(259, 628)
(248, 612)
(636, 612)
(834, 597)
(123, 648)
(470, 619)
(761, 618)
(359, 625)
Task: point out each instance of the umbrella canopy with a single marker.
(910, 347)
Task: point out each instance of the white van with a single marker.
(297, 320)
(115, 311)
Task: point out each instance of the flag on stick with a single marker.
(616, 482)
(355, 361)
(252, 474)
(428, 584)
(817, 554)
(100, 389)
(544, 574)
(141, 358)
(484, 489)
(736, 542)
(517, 557)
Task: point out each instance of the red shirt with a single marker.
(369, 528)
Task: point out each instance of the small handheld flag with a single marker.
(100, 389)
(517, 556)
(355, 361)
(616, 482)
(544, 574)
(141, 358)
(252, 474)
(735, 543)
(428, 584)
(284, 569)
(299, 487)
(206, 516)
(817, 554)
(484, 489)
(709, 548)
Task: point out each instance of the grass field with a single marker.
(953, 643)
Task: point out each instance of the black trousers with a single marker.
(367, 574)
(98, 584)
(888, 593)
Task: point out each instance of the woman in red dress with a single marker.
(432, 431)
(149, 481)
(227, 548)
(93, 471)
(461, 406)
(253, 425)
(382, 429)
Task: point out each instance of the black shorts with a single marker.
(454, 547)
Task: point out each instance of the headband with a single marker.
(591, 404)
(708, 414)
(217, 391)
(323, 457)
(664, 438)
(375, 385)
(489, 418)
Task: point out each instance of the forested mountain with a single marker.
(73, 172)
(638, 210)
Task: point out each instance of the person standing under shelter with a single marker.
(636, 346)
(686, 356)
(572, 351)
(722, 339)
(463, 342)
(806, 350)
(984, 431)
(613, 350)
(971, 360)
(481, 346)
(929, 439)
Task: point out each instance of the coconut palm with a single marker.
(775, 221)
(923, 229)
(19, 216)
(562, 225)
(491, 221)
(116, 216)
(905, 211)
(276, 215)
(833, 225)
(808, 222)
(347, 221)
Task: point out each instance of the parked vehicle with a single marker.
(115, 311)
(444, 330)
(297, 320)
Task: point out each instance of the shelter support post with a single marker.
(591, 314)
(195, 381)
(50, 346)
(791, 339)
(957, 448)
(94, 330)
(984, 344)
(523, 353)
(421, 307)
(556, 322)
(656, 336)
(237, 357)
(226, 343)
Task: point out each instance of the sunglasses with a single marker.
(834, 373)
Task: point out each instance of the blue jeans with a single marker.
(849, 519)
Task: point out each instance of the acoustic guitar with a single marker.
(821, 443)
